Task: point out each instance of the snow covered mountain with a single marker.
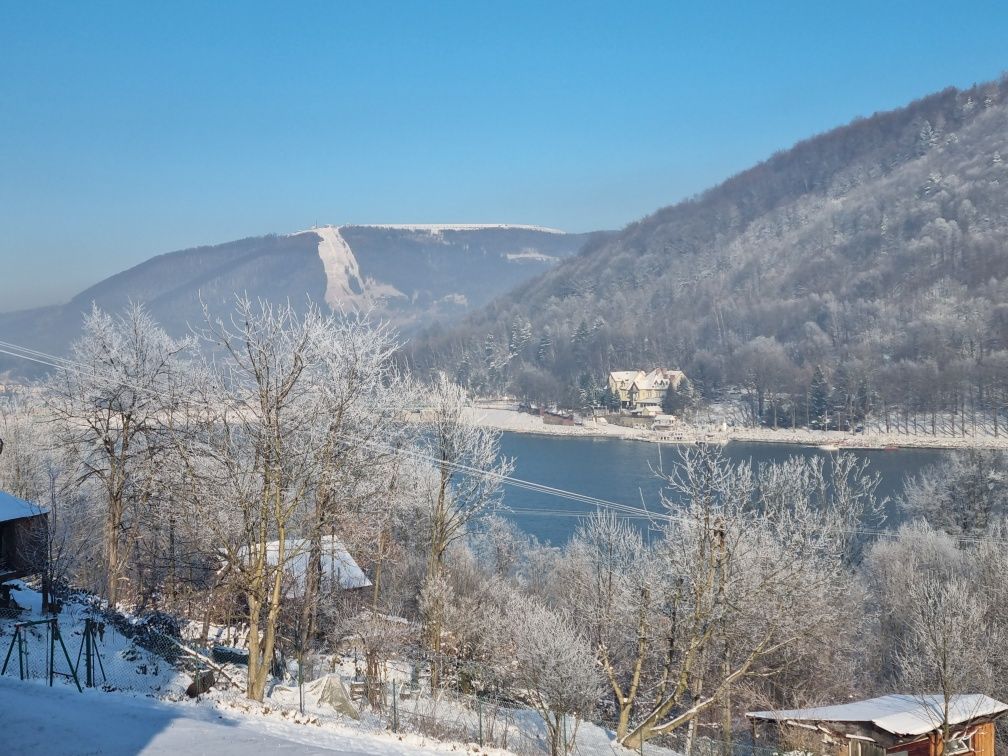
(412, 275)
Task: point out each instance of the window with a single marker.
(957, 745)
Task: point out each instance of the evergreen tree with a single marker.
(609, 400)
(677, 401)
(580, 341)
(544, 352)
(819, 398)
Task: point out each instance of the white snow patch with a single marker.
(38, 719)
(530, 255)
(437, 228)
(345, 286)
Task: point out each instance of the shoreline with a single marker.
(505, 417)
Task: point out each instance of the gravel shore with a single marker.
(506, 417)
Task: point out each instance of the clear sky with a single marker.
(135, 128)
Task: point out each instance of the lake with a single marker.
(620, 471)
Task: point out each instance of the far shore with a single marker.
(506, 417)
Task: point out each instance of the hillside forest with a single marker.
(862, 271)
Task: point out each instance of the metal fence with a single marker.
(92, 648)
(107, 651)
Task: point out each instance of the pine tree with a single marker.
(544, 353)
(819, 396)
(580, 343)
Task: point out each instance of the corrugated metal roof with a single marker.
(898, 714)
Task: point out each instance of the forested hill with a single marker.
(405, 274)
(877, 251)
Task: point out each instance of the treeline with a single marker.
(209, 478)
(872, 258)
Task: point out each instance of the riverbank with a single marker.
(506, 417)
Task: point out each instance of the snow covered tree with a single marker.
(463, 482)
(262, 444)
(967, 493)
(544, 656)
(950, 647)
(544, 352)
(731, 603)
(818, 400)
(109, 409)
(611, 591)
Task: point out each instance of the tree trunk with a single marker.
(112, 557)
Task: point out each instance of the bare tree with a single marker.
(545, 656)
(966, 493)
(252, 441)
(107, 408)
(730, 601)
(949, 648)
(463, 483)
(611, 590)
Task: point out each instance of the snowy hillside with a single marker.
(139, 703)
(59, 720)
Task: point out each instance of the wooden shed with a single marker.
(893, 725)
(23, 528)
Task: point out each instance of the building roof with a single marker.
(660, 378)
(624, 377)
(897, 714)
(13, 508)
(337, 564)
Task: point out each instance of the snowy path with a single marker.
(35, 719)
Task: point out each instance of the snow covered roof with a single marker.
(337, 564)
(624, 377)
(897, 714)
(660, 378)
(13, 508)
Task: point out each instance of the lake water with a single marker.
(620, 471)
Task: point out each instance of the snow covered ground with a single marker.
(37, 719)
(143, 708)
(504, 416)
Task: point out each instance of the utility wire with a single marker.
(60, 363)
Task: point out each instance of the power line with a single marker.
(66, 364)
(627, 511)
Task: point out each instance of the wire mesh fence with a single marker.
(91, 648)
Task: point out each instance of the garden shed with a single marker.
(893, 725)
(23, 528)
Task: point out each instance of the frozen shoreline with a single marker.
(506, 417)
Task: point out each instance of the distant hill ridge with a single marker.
(409, 274)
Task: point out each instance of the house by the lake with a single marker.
(638, 391)
(893, 725)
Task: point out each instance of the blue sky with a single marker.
(132, 129)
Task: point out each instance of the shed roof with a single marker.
(898, 714)
(337, 563)
(13, 508)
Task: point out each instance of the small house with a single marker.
(23, 531)
(893, 725)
